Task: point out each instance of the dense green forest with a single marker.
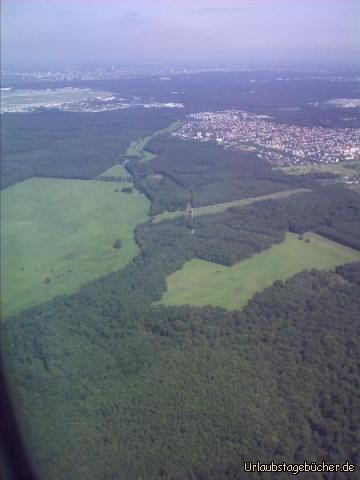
(192, 393)
(71, 145)
(107, 384)
(205, 174)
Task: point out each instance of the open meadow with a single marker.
(58, 234)
(202, 283)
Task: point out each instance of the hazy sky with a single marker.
(179, 31)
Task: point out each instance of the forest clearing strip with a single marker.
(221, 207)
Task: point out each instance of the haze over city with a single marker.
(58, 32)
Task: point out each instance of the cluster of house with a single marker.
(280, 144)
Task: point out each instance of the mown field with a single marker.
(58, 234)
(201, 283)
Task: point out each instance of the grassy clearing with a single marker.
(116, 170)
(201, 283)
(136, 148)
(63, 230)
(221, 207)
(347, 168)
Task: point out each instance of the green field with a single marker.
(201, 283)
(221, 207)
(63, 231)
(116, 170)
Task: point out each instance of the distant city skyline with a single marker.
(270, 32)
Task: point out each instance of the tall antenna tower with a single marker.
(190, 212)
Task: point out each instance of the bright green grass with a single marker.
(116, 170)
(62, 225)
(202, 283)
(221, 207)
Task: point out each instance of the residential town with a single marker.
(278, 143)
